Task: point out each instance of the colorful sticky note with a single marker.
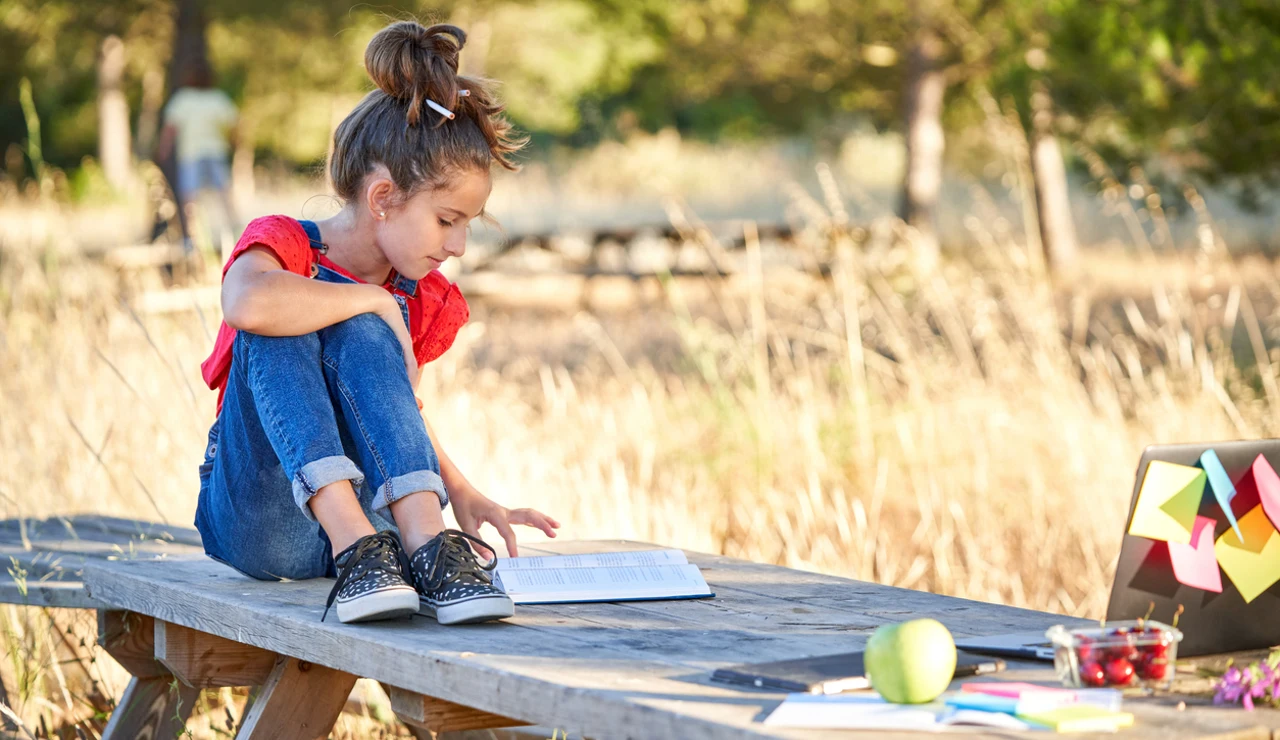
(1168, 502)
(1080, 718)
(1013, 689)
(1196, 565)
(1223, 489)
(1253, 564)
(1030, 702)
(1259, 485)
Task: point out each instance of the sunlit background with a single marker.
(890, 290)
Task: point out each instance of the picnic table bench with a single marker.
(622, 670)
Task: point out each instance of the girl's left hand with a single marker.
(472, 509)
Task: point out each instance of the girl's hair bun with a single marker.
(412, 63)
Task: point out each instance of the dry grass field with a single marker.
(969, 430)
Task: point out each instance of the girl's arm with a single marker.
(261, 297)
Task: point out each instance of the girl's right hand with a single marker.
(387, 309)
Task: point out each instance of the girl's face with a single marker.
(420, 234)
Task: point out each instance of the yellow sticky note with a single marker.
(1168, 502)
(1253, 565)
(1080, 718)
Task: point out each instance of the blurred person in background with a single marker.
(199, 129)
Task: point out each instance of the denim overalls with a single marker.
(301, 413)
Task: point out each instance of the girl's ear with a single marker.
(379, 192)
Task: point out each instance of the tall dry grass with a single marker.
(969, 429)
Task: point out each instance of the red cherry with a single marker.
(1159, 650)
(1091, 674)
(1155, 671)
(1084, 648)
(1119, 671)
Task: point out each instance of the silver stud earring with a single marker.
(382, 214)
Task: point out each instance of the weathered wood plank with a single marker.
(769, 593)
(43, 558)
(136, 528)
(602, 670)
(59, 594)
(299, 701)
(438, 715)
(206, 661)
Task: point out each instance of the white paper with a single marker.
(870, 712)
(852, 712)
(595, 560)
(551, 585)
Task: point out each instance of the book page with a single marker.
(595, 560)
(550, 585)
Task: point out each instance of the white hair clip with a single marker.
(443, 110)
(440, 109)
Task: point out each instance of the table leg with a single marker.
(151, 709)
(155, 704)
(299, 701)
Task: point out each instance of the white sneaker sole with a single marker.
(481, 609)
(387, 604)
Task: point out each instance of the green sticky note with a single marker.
(1168, 502)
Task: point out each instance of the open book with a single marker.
(644, 575)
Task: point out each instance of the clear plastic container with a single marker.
(1130, 653)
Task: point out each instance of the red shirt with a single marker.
(437, 309)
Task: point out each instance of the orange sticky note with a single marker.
(1253, 565)
(1196, 565)
(1168, 502)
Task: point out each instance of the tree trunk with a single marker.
(1053, 204)
(926, 87)
(114, 148)
(190, 49)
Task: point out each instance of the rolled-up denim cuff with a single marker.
(401, 486)
(319, 473)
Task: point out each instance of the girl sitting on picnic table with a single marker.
(319, 445)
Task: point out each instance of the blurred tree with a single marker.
(1191, 82)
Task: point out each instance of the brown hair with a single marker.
(395, 127)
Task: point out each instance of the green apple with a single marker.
(911, 662)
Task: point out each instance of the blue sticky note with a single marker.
(1223, 489)
(984, 702)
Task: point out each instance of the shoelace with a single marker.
(455, 559)
(379, 551)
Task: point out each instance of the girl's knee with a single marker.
(365, 336)
(257, 349)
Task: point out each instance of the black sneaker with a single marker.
(453, 586)
(372, 581)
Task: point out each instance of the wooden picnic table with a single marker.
(624, 670)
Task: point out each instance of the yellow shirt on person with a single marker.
(203, 118)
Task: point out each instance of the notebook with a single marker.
(645, 575)
(829, 674)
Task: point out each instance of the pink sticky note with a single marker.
(1012, 689)
(1196, 565)
(1258, 485)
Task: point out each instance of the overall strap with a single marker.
(313, 235)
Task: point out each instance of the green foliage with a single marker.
(1189, 81)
